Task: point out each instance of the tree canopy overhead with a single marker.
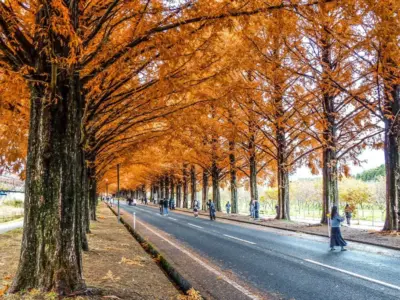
(175, 91)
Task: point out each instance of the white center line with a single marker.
(205, 265)
(356, 275)
(232, 237)
(194, 225)
(172, 218)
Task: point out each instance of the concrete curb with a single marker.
(172, 273)
(294, 230)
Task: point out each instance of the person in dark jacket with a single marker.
(336, 235)
(348, 212)
(211, 207)
(161, 206)
(166, 203)
(228, 208)
(256, 209)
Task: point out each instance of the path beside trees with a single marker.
(116, 264)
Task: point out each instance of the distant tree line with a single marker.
(372, 174)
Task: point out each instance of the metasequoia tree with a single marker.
(341, 125)
(59, 47)
(277, 106)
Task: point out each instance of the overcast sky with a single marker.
(372, 158)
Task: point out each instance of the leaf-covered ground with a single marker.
(116, 264)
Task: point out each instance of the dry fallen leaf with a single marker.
(110, 276)
(135, 262)
(4, 290)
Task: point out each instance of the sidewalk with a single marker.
(371, 237)
(115, 264)
(4, 227)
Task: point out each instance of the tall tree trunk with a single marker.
(185, 186)
(83, 195)
(193, 185)
(144, 192)
(179, 194)
(93, 195)
(215, 172)
(162, 189)
(253, 176)
(205, 189)
(50, 256)
(330, 193)
(392, 148)
(283, 172)
(166, 186)
(233, 182)
(172, 186)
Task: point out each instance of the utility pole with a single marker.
(119, 217)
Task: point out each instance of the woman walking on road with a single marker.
(336, 236)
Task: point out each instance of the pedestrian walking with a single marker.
(211, 207)
(277, 211)
(336, 236)
(256, 209)
(134, 202)
(171, 204)
(161, 204)
(348, 213)
(228, 207)
(252, 212)
(166, 203)
(196, 211)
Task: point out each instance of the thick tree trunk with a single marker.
(50, 256)
(144, 192)
(392, 148)
(166, 186)
(204, 190)
(185, 186)
(215, 172)
(193, 184)
(283, 172)
(93, 201)
(151, 192)
(172, 186)
(330, 195)
(162, 189)
(83, 205)
(179, 195)
(233, 181)
(283, 193)
(253, 177)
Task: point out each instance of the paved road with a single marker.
(4, 227)
(294, 267)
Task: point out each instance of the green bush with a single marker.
(14, 203)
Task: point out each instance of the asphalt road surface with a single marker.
(274, 262)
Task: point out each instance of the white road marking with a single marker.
(202, 263)
(232, 237)
(356, 275)
(172, 218)
(194, 225)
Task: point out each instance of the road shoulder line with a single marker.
(354, 274)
